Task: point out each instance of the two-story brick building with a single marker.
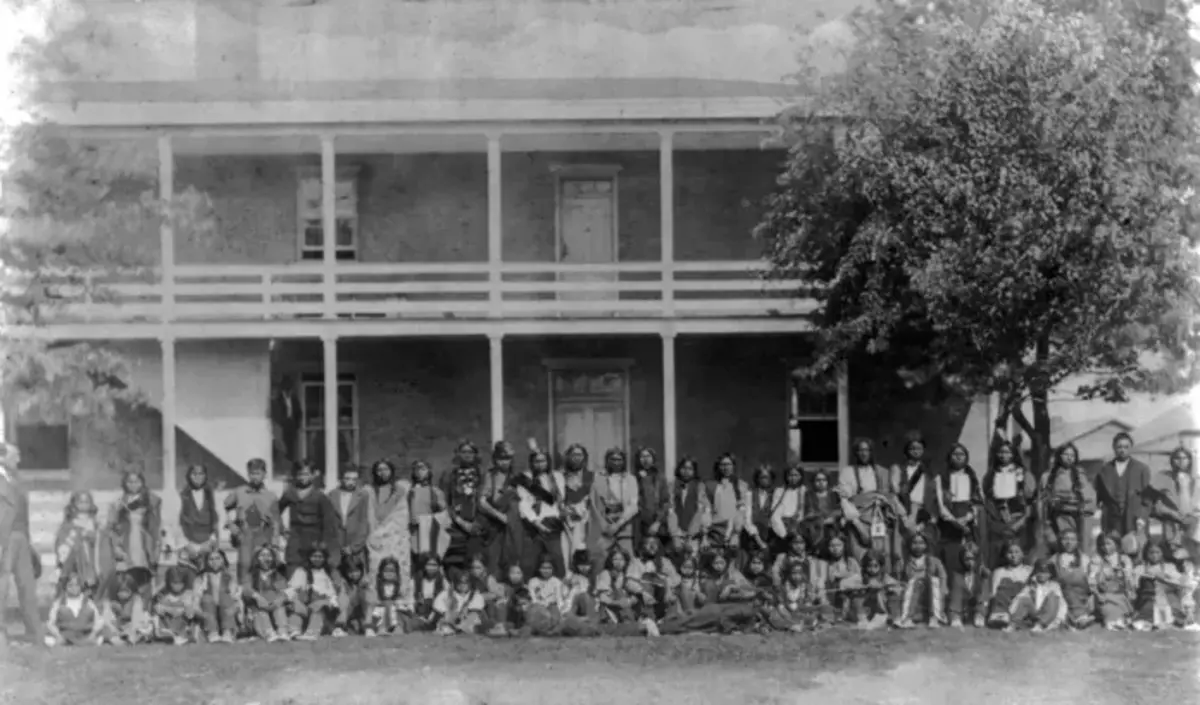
(459, 219)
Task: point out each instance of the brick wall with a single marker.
(433, 207)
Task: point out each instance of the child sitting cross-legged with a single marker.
(125, 615)
(265, 595)
(1041, 605)
(174, 610)
(356, 600)
(219, 597)
(312, 597)
(459, 608)
(392, 609)
(74, 619)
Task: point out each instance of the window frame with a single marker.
(306, 175)
(354, 427)
(793, 393)
(49, 474)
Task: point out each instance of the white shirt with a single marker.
(344, 500)
(74, 604)
(198, 498)
(1121, 465)
(916, 491)
(1004, 483)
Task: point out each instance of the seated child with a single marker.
(618, 592)
(837, 567)
(495, 593)
(690, 593)
(125, 615)
(797, 551)
(427, 585)
(356, 598)
(264, 593)
(658, 578)
(924, 580)
(391, 610)
(758, 573)
(870, 593)
(312, 597)
(219, 597)
(797, 604)
(578, 584)
(74, 619)
(174, 609)
(1071, 573)
(547, 590)
(1189, 589)
(1041, 605)
(1008, 581)
(969, 587)
(1157, 605)
(459, 609)
(1111, 578)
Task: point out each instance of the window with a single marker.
(309, 217)
(812, 423)
(312, 402)
(44, 446)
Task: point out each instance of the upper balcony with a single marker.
(505, 222)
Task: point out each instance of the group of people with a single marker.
(534, 550)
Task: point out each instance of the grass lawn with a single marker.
(833, 668)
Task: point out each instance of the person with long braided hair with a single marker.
(1067, 497)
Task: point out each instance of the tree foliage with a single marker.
(77, 214)
(997, 197)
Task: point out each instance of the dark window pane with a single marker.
(44, 446)
(818, 441)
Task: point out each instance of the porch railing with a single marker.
(442, 290)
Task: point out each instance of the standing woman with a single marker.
(390, 537)
(1067, 497)
(1008, 495)
(467, 527)
(689, 515)
(654, 497)
(759, 510)
(918, 489)
(822, 511)
(496, 503)
(789, 507)
(959, 500)
(134, 532)
(574, 486)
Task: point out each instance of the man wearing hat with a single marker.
(18, 562)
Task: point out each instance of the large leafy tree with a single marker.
(76, 213)
(998, 197)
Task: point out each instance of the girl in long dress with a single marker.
(959, 501)
(1008, 495)
(390, 537)
(77, 544)
(1067, 496)
(134, 532)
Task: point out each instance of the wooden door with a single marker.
(587, 211)
(598, 425)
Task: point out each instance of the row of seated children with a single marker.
(649, 594)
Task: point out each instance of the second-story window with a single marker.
(310, 221)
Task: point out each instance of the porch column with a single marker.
(330, 378)
(166, 233)
(329, 221)
(666, 170)
(169, 486)
(843, 412)
(496, 358)
(495, 230)
(670, 430)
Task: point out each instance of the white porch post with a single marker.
(169, 486)
(666, 169)
(670, 430)
(330, 378)
(329, 221)
(843, 411)
(495, 231)
(496, 358)
(166, 192)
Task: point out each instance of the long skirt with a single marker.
(1078, 594)
(1001, 603)
(527, 547)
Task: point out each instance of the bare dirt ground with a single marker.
(834, 668)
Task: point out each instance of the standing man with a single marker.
(18, 562)
(1123, 492)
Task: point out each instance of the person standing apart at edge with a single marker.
(19, 564)
(1121, 491)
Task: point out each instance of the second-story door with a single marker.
(587, 210)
